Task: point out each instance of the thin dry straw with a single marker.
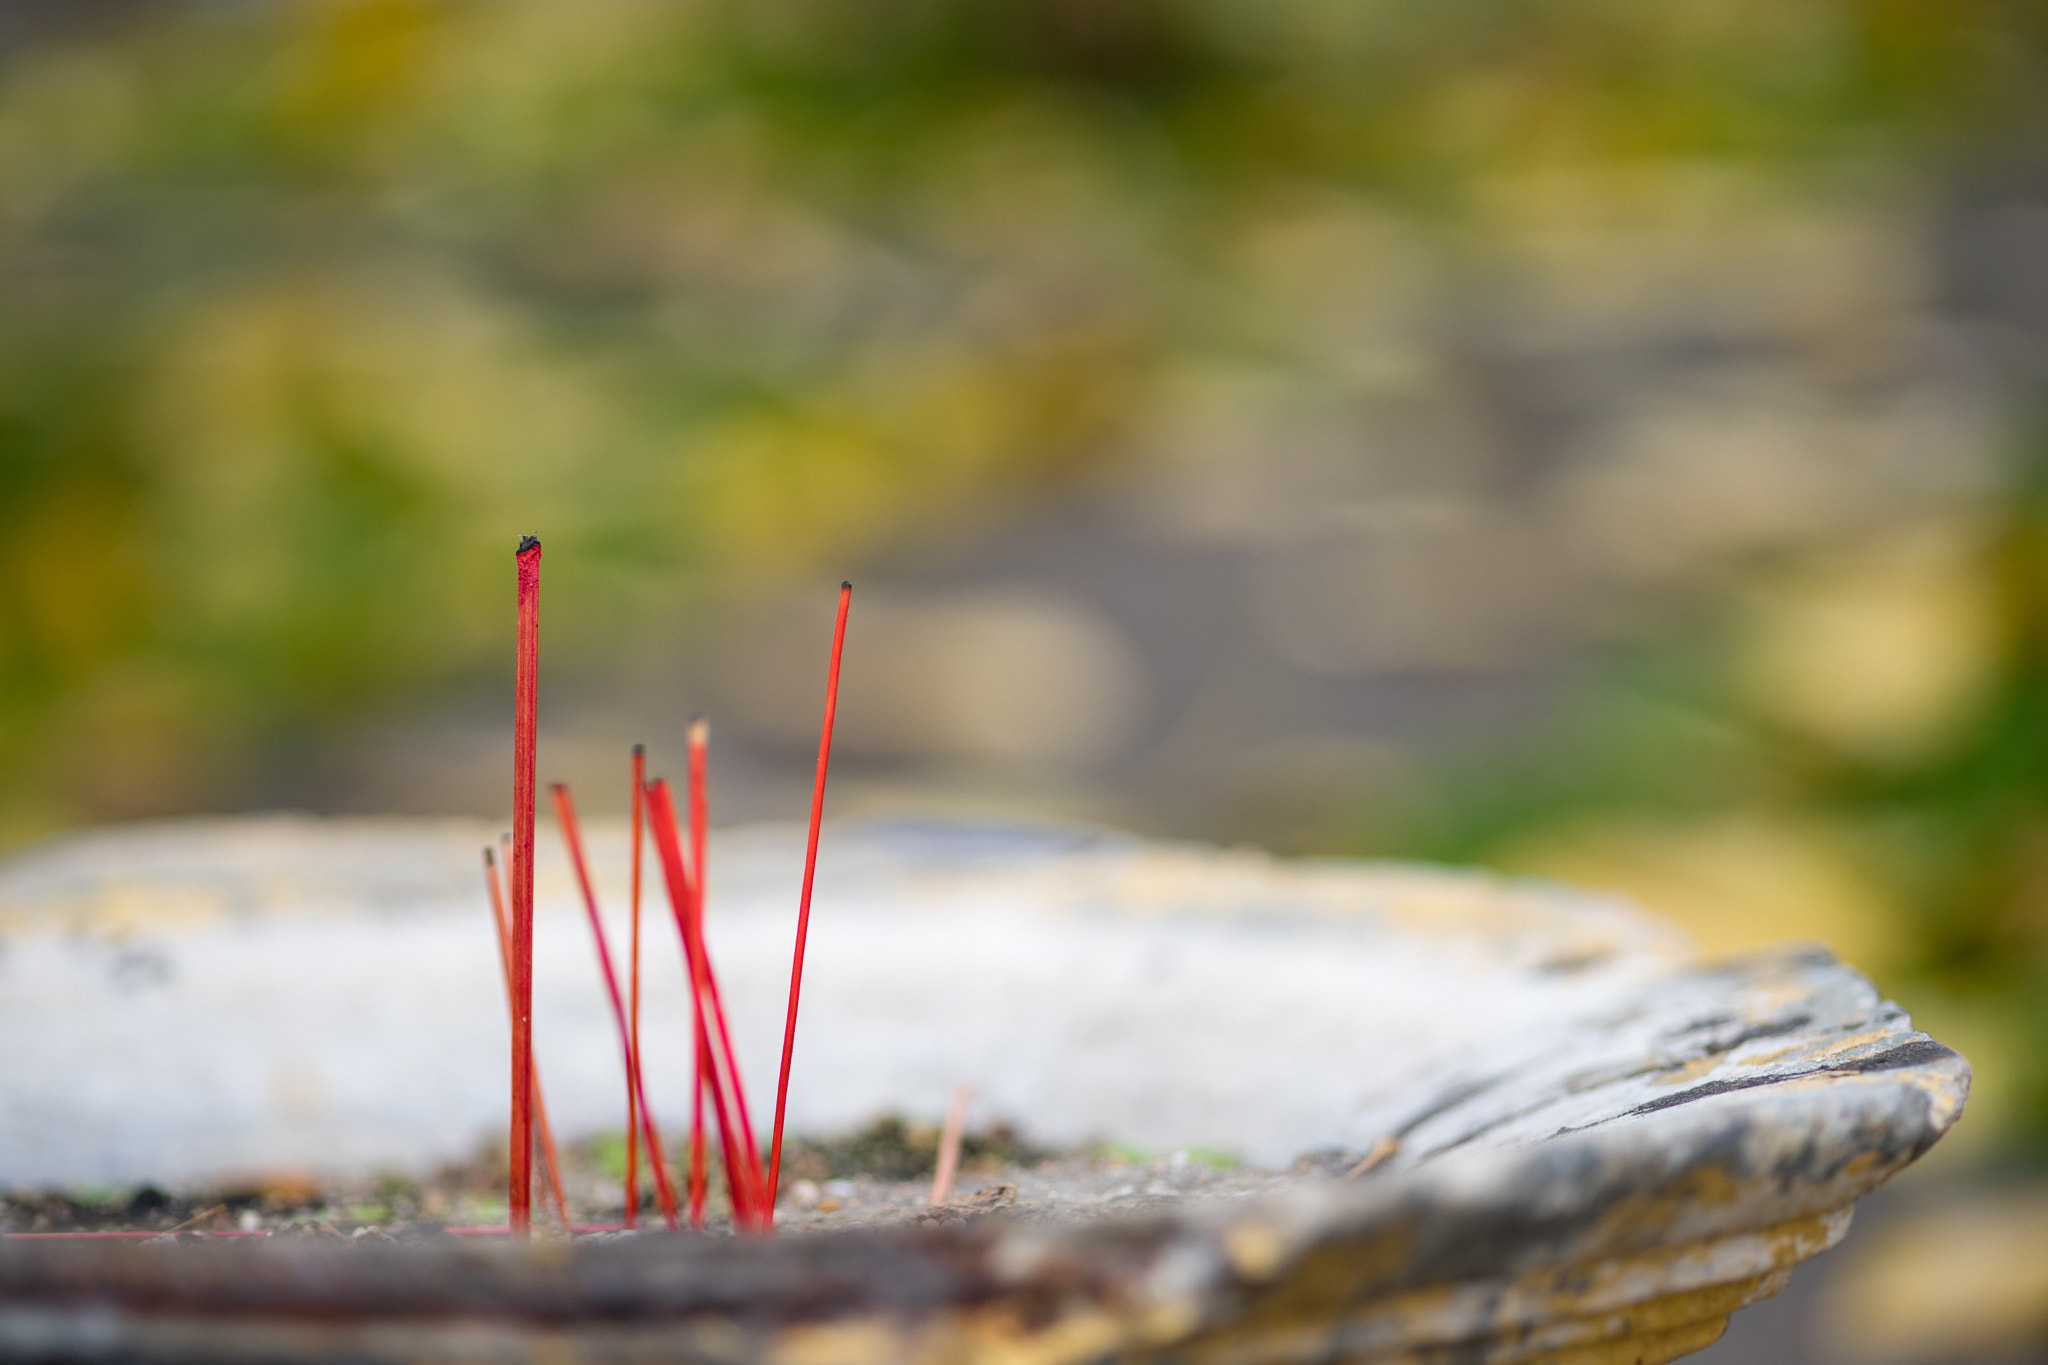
(949, 1145)
(742, 1167)
(524, 726)
(803, 913)
(572, 835)
(549, 1156)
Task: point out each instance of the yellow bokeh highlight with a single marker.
(1736, 881)
(1881, 652)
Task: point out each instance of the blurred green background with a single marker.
(1593, 438)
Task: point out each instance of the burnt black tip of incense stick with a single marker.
(489, 860)
(558, 786)
(528, 543)
(845, 587)
(639, 748)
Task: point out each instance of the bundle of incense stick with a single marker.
(750, 1187)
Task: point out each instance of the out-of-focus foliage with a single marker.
(1853, 751)
(310, 308)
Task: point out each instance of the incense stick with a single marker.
(701, 1079)
(572, 834)
(549, 1156)
(949, 1145)
(728, 1097)
(701, 1064)
(633, 1009)
(700, 821)
(668, 844)
(657, 1160)
(700, 827)
(524, 726)
(700, 1073)
(803, 913)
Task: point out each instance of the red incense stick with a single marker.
(633, 1011)
(549, 1156)
(803, 913)
(742, 1167)
(699, 1172)
(524, 726)
(700, 867)
(700, 823)
(702, 1064)
(701, 1072)
(668, 843)
(572, 834)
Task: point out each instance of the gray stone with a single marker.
(1560, 1137)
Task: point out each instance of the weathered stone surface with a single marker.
(1602, 1148)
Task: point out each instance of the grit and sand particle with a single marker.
(878, 1175)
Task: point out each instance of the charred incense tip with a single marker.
(528, 543)
(639, 750)
(845, 587)
(490, 860)
(558, 786)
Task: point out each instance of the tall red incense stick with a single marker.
(727, 1094)
(633, 1008)
(803, 912)
(572, 834)
(550, 1158)
(525, 706)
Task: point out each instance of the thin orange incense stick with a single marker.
(524, 729)
(727, 1094)
(633, 1010)
(803, 912)
(700, 822)
(572, 834)
(549, 1156)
